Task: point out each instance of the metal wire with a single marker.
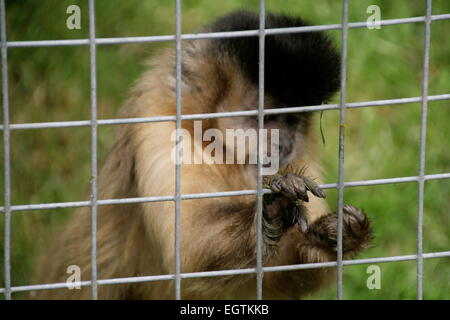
(76, 204)
(432, 255)
(177, 149)
(93, 76)
(215, 35)
(202, 116)
(93, 123)
(6, 155)
(259, 187)
(423, 138)
(340, 186)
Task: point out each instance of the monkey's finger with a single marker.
(280, 185)
(275, 185)
(313, 187)
(298, 186)
(287, 188)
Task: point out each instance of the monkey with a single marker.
(218, 233)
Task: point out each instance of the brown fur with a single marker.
(217, 233)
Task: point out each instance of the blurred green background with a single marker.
(52, 84)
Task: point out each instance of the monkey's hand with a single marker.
(284, 207)
(356, 232)
(293, 186)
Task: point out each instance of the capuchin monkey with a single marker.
(218, 75)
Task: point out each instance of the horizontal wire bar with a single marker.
(190, 275)
(215, 35)
(200, 116)
(75, 204)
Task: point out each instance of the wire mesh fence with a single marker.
(8, 208)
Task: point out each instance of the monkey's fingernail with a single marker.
(355, 212)
(319, 193)
(303, 224)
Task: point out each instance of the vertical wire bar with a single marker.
(423, 138)
(6, 155)
(340, 266)
(93, 69)
(259, 195)
(177, 149)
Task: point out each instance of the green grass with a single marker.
(52, 84)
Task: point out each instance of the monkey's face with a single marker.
(280, 136)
